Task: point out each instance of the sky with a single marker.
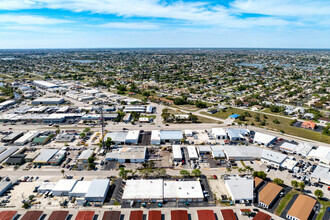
(164, 23)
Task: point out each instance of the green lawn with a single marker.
(284, 202)
(324, 205)
(283, 125)
(267, 110)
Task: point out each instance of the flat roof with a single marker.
(59, 215)
(4, 155)
(234, 151)
(64, 185)
(136, 215)
(273, 156)
(288, 146)
(263, 138)
(133, 135)
(228, 214)
(240, 187)
(98, 188)
(171, 135)
(111, 215)
(155, 135)
(183, 189)
(45, 155)
(204, 148)
(32, 215)
(119, 136)
(154, 215)
(7, 215)
(206, 215)
(269, 193)
(85, 215)
(304, 148)
(81, 187)
(85, 155)
(322, 171)
(289, 163)
(262, 216)
(302, 207)
(219, 132)
(132, 153)
(179, 215)
(143, 189)
(192, 152)
(176, 150)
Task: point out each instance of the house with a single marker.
(256, 108)
(301, 208)
(324, 120)
(269, 194)
(308, 125)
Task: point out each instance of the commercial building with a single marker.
(83, 157)
(159, 190)
(16, 159)
(272, 158)
(45, 156)
(219, 133)
(44, 84)
(64, 187)
(65, 138)
(289, 164)
(98, 190)
(237, 134)
(116, 137)
(322, 154)
(288, 147)
(188, 133)
(80, 189)
(133, 137)
(7, 103)
(46, 187)
(48, 101)
(240, 188)
(174, 136)
(235, 152)
(12, 137)
(321, 174)
(192, 153)
(138, 109)
(269, 194)
(155, 137)
(128, 155)
(7, 153)
(127, 118)
(4, 186)
(217, 152)
(301, 208)
(177, 153)
(304, 148)
(264, 139)
(26, 138)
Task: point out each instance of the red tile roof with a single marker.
(7, 215)
(228, 214)
(136, 215)
(205, 215)
(179, 215)
(154, 215)
(85, 215)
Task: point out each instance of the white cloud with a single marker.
(130, 25)
(29, 20)
(39, 29)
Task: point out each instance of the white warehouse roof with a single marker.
(80, 189)
(64, 186)
(143, 189)
(240, 188)
(263, 138)
(192, 152)
(85, 155)
(183, 190)
(98, 189)
(273, 156)
(176, 149)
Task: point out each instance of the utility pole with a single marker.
(102, 124)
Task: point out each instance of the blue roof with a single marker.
(234, 116)
(168, 135)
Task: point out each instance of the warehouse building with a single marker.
(16, 159)
(128, 155)
(321, 174)
(217, 152)
(63, 187)
(237, 134)
(322, 154)
(288, 147)
(192, 153)
(83, 157)
(44, 84)
(272, 158)
(269, 194)
(7, 153)
(12, 137)
(183, 191)
(304, 148)
(177, 153)
(219, 133)
(174, 136)
(5, 186)
(48, 101)
(98, 190)
(116, 137)
(133, 137)
(240, 188)
(289, 164)
(143, 190)
(138, 109)
(204, 149)
(264, 139)
(302, 208)
(45, 156)
(7, 103)
(46, 187)
(26, 138)
(80, 189)
(155, 137)
(235, 152)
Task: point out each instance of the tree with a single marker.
(260, 174)
(278, 181)
(184, 173)
(318, 193)
(63, 171)
(108, 142)
(302, 186)
(294, 184)
(91, 159)
(196, 172)
(200, 104)
(124, 173)
(241, 117)
(91, 166)
(276, 121)
(249, 169)
(86, 130)
(82, 135)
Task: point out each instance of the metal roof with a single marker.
(98, 188)
(45, 155)
(171, 135)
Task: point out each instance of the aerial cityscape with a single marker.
(140, 121)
